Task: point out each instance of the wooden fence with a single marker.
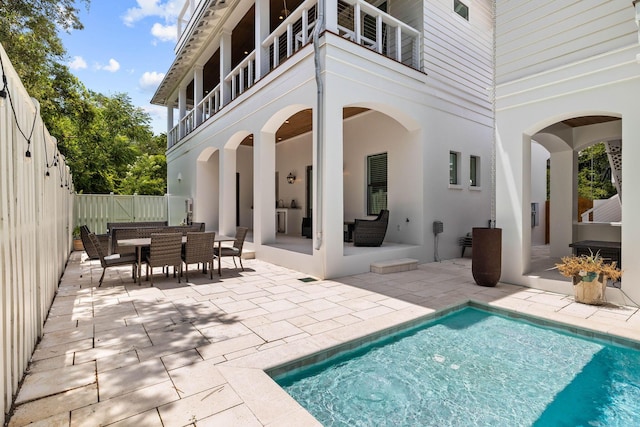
(36, 202)
(95, 210)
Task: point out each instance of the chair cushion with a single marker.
(112, 257)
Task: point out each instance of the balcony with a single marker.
(356, 21)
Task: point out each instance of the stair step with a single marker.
(394, 265)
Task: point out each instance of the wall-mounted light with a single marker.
(291, 178)
(179, 177)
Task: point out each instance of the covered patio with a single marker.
(196, 352)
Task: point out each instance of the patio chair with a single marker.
(371, 232)
(165, 251)
(236, 250)
(103, 240)
(111, 260)
(199, 249)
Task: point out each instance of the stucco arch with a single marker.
(276, 120)
(408, 122)
(236, 139)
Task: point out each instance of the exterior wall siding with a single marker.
(555, 33)
(457, 56)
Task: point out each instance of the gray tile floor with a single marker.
(195, 353)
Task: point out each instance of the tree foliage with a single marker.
(107, 141)
(594, 173)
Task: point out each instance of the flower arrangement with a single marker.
(588, 267)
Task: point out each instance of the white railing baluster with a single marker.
(399, 44)
(379, 33)
(289, 40)
(357, 23)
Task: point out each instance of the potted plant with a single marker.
(590, 274)
(77, 239)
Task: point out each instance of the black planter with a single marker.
(486, 262)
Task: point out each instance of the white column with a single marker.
(261, 32)
(182, 107)
(331, 15)
(225, 66)
(169, 123)
(631, 202)
(264, 166)
(228, 191)
(563, 201)
(330, 173)
(198, 91)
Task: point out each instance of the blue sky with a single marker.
(126, 46)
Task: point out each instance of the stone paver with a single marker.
(194, 353)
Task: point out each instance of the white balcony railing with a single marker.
(292, 34)
(243, 76)
(368, 26)
(358, 21)
(209, 105)
(173, 136)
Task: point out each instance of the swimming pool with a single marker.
(471, 368)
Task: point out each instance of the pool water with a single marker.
(473, 368)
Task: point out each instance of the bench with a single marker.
(610, 251)
(465, 242)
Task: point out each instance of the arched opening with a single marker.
(583, 191)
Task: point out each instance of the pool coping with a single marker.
(328, 353)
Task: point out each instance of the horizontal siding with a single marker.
(457, 55)
(534, 36)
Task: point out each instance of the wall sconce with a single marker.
(291, 178)
(179, 176)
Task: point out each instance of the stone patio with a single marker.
(194, 354)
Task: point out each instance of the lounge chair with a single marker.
(371, 232)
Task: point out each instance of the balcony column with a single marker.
(225, 67)
(261, 32)
(198, 91)
(169, 123)
(331, 15)
(182, 108)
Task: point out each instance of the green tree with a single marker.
(594, 173)
(29, 34)
(148, 175)
(104, 138)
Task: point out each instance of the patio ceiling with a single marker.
(301, 123)
(588, 120)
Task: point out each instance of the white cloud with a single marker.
(78, 63)
(165, 33)
(168, 10)
(112, 67)
(150, 80)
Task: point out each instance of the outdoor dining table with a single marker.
(145, 242)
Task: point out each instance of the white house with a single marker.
(567, 76)
(391, 106)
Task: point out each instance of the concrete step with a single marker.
(394, 265)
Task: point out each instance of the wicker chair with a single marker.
(112, 260)
(236, 250)
(199, 249)
(103, 240)
(371, 232)
(165, 250)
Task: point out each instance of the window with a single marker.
(453, 168)
(461, 9)
(474, 171)
(376, 183)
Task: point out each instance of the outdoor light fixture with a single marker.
(291, 178)
(284, 12)
(179, 176)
